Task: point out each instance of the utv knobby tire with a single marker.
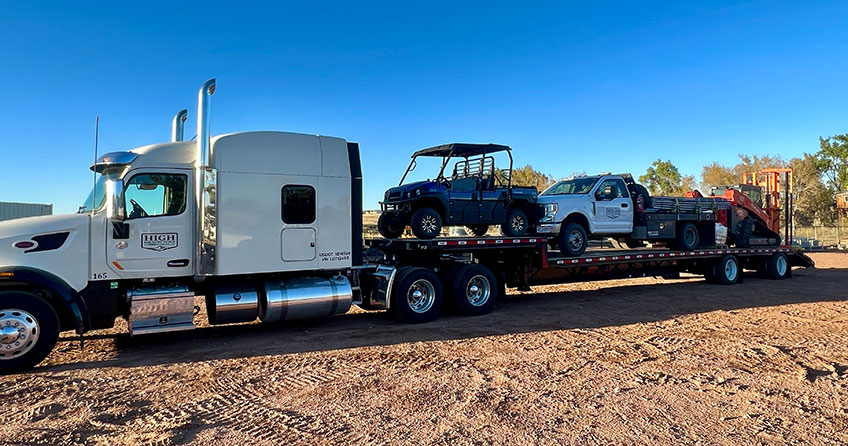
(426, 223)
(388, 230)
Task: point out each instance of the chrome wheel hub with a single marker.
(18, 333)
(421, 296)
(478, 290)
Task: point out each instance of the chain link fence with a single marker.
(821, 237)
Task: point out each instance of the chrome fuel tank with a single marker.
(305, 298)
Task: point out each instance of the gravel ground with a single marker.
(618, 362)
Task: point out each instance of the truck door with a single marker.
(156, 239)
(613, 207)
(299, 208)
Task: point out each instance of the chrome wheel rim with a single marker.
(478, 290)
(428, 224)
(575, 240)
(731, 270)
(781, 266)
(517, 223)
(421, 296)
(19, 333)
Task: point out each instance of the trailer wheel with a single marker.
(474, 289)
(516, 223)
(709, 274)
(426, 223)
(727, 270)
(478, 230)
(777, 266)
(417, 295)
(687, 237)
(572, 239)
(29, 329)
(387, 230)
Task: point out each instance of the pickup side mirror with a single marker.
(115, 210)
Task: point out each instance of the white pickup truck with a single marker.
(599, 206)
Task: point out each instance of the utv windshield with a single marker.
(97, 197)
(572, 186)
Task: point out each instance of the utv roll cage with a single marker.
(484, 165)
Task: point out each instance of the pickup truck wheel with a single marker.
(727, 270)
(687, 237)
(387, 230)
(478, 230)
(474, 289)
(516, 223)
(572, 240)
(426, 223)
(417, 295)
(777, 266)
(29, 329)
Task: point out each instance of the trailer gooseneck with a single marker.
(267, 225)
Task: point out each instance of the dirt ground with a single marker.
(642, 361)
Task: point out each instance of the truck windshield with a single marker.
(97, 197)
(572, 186)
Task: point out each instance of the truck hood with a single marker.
(57, 244)
(400, 192)
(564, 198)
(24, 228)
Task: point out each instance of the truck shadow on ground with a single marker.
(610, 305)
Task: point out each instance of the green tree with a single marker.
(814, 202)
(717, 174)
(663, 178)
(529, 177)
(832, 161)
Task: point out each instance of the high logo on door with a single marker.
(613, 213)
(159, 241)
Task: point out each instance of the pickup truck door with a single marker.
(613, 207)
(156, 238)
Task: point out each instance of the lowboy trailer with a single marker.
(267, 226)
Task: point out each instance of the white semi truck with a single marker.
(267, 225)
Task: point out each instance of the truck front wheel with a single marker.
(388, 230)
(29, 329)
(426, 223)
(417, 295)
(572, 239)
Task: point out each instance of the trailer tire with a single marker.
(727, 270)
(572, 239)
(687, 237)
(417, 295)
(709, 273)
(388, 230)
(516, 223)
(777, 266)
(426, 223)
(37, 330)
(473, 289)
(478, 230)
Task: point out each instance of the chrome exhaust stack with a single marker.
(177, 125)
(206, 188)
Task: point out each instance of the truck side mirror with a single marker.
(115, 210)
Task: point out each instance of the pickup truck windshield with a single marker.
(572, 186)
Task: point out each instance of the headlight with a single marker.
(550, 212)
(417, 191)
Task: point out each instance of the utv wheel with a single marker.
(687, 237)
(516, 223)
(417, 295)
(478, 230)
(572, 240)
(426, 223)
(474, 289)
(387, 230)
(777, 266)
(727, 270)
(29, 329)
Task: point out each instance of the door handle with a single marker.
(179, 263)
(624, 205)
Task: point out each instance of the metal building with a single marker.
(9, 210)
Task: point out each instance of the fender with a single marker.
(590, 225)
(73, 303)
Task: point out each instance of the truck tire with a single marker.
(727, 270)
(417, 295)
(29, 329)
(572, 239)
(478, 230)
(387, 230)
(777, 266)
(516, 223)
(426, 223)
(687, 237)
(473, 289)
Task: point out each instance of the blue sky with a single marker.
(592, 86)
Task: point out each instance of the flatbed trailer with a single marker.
(522, 262)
